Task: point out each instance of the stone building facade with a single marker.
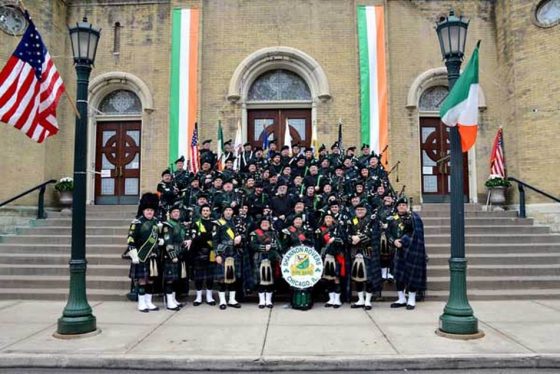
(519, 76)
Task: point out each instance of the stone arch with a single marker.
(279, 57)
(430, 78)
(106, 83)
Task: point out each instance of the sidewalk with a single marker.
(520, 334)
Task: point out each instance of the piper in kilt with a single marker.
(143, 240)
(202, 255)
(227, 244)
(265, 248)
(331, 239)
(406, 233)
(174, 265)
(366, 271)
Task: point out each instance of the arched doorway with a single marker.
(117, 149)
(295, 84)
(435, 149)
(281, 97)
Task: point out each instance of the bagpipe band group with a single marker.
(227, 226)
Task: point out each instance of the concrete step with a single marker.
(90, 222)
(529, 239)
(63, 230)
(473, 214)
(61, 270)
(483, 229)
(59, 259)
(108, 208)
(61, 239)
(501, 294)
(536, 257)
(40, 249)
(60, 294)
(444, 207)
(479, 221)
(121, 283)
(98, 214)
(499, 270)
(498, 248)
(499, 282)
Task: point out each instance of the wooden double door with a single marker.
(272, 124)
(117, 162)
(436, 170)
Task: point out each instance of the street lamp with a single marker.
(77, 317)
(458, 317)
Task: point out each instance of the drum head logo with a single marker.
(302, 267)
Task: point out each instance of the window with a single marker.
(432, 98)
(279, 85)
(121, 102)
(117, 38)
(547, 13)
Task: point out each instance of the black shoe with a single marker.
(336, 306)
(174, 309)
(144, 310)
(367, 307)
(270, 306)
(212, 303)
(261, 306)
(398, 305)
(327, 305)
(180, 305)
(410, 307)
(196, 303)
(154, 309)
(356, 306)
(236, 306)
(223, 306)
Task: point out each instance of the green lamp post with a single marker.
(458, 317)
(77, 317)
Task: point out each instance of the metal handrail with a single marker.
(521, 188)
(40, 204)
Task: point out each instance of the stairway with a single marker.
(508, 257)
(34, 261)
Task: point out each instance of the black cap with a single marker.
(402, 200)
(246, 144)
(207, 141)
(351, 148)
(176, 206)
(273, 141)
(148, 201)
(258, 148)
(180, 159)
(202, 194)
(166, 171)
(281, 182)
(322, 148)
(228, 142)
(364, 145)
(230, 158)
(285, 147)
(308, 149)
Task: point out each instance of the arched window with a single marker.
(432, 98)
(121, 102)
(279, 85)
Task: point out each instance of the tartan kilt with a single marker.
(171, 271)
(203, 269)
(139, 271)
(410, 269)
(373, 270)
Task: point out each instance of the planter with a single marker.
(498, 197)
(65, 199)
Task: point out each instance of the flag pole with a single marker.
(73, 104)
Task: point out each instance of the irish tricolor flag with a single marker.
(184, 71)
(460, 108)
(373, 77)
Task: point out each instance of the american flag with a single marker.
(30, 88)
(497, 157)
(193, 156)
